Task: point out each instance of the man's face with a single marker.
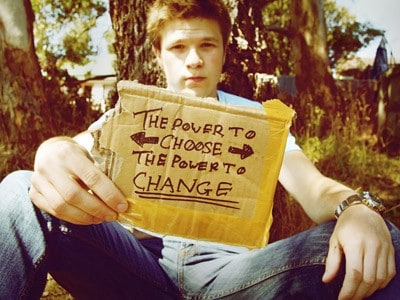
(192, 55)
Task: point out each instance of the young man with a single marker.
(68, 228)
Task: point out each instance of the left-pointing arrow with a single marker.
(140, 138)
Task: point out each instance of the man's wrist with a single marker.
(364, 198)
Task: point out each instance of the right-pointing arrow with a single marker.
(244, 152)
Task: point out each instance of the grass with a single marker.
(352, 153)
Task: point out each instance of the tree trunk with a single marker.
(247, 52)
(311, 65)
(135, 60)
(25, 120)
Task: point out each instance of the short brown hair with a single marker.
(162, 11)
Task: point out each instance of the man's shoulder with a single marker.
(228, 98)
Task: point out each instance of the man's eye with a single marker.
(207, 45)
(178, 47)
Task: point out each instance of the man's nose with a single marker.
(193, 59)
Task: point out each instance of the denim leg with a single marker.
(288, 269)
(22, 246)
(92, 262)
(106, 262)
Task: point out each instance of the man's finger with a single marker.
(354, 274)
(100, 185)
(333, 261)
(73, 194)
(68, 213)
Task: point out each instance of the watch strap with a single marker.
(353, 199)
(366, 198)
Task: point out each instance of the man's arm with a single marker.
(360, 234)
(68, 185)
(317, 194)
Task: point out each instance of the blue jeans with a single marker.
(106, 261)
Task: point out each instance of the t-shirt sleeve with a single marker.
(291, 144)
(96, 125)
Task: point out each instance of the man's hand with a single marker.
(68, 185)
(361, 235)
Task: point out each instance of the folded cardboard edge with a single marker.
(275, 108)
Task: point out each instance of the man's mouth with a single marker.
(195, 79)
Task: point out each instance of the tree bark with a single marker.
(135, 60)
(311, 64)
(247, 53)
(25, 120)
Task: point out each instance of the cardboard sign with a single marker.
(194, 167)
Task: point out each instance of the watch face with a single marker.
(373, 201)
(371, 198)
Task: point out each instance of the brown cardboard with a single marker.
(194, 167)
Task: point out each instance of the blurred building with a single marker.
(100, 88)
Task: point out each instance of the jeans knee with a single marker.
(20, 177)
(14, 191)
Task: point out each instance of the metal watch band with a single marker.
(366, 198)
(354, 199)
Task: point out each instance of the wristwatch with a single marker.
(366, 198)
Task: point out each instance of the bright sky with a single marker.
(102, 64)
(382, 14)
